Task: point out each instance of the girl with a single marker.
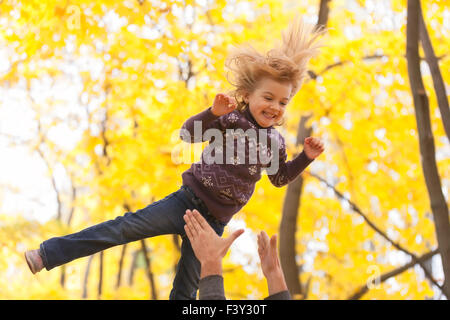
(264, 85)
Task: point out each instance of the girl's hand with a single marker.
(223, 104)
(313, 147)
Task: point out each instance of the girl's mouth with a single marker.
(268, 115)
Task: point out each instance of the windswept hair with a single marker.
(286, 62)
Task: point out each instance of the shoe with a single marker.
(34, 260)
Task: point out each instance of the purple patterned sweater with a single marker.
(226, 187)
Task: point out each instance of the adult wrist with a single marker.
(276, 274)
(276, 282)
(211, 267)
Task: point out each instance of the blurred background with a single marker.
(91, 93)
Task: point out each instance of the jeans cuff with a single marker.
(43, 256)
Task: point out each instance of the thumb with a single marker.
(234, 236)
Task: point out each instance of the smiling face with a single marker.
(267, 103)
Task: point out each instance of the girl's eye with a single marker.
(269, 99)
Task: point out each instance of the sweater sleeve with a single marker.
(282, 295)
(211, 288)
(288, 170)
(204, 120)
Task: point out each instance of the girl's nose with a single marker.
(274, 108)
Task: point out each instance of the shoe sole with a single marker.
(30, 263)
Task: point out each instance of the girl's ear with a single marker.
(245, 95)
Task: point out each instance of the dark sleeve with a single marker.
(207, 120)
(211, 288)
(288, 170)
(282, 295)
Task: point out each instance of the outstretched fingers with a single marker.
(189, 233)
(273, 245)
(273, 241)
(263, 243)
(199, 220)
(191, 224)
(264, 240)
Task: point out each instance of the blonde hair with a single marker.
(286, 62)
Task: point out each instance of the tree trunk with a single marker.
(62, 279)
(288, 225)
(426, 141)
(69, 221)
(122, 258)
(86, 278)
(323, 13)
(149, 272)
(436, 75)
(132, 268)
(176, 242)
(100, 277)
(122, 254)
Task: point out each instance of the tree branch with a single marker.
(378, 230)
(314, 75)
(436, 75)
(361, 291)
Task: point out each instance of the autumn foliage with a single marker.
(105, 85)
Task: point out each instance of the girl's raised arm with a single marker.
(214, 117)
(288, 170)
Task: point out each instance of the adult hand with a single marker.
(208, 247)
(223, 104)
(267, 250)
(270, 264)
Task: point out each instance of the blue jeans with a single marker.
(161, 217)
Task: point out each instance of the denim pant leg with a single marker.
(187, 277)
(185, 284)
(161, 217)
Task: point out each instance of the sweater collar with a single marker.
(250, 117)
